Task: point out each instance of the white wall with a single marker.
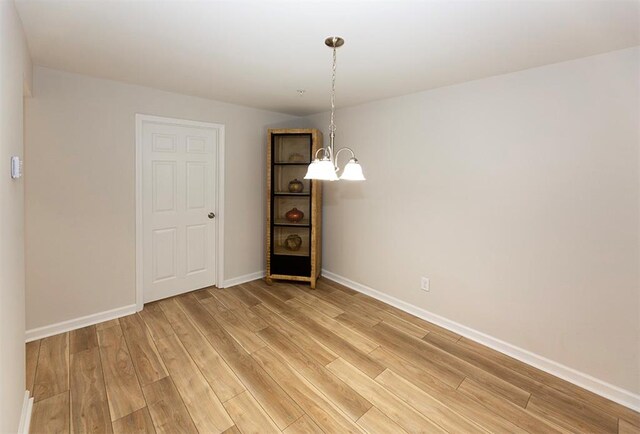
(15, 71)
(80, 197)
(517, 195)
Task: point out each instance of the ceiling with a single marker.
(259, 53)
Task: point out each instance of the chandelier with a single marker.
(326, 168)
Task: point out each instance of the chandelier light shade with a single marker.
(322, 170)
(352, 171)
(326, 168)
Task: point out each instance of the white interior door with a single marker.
(179, 197)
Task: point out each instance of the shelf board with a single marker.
(286, 193)
(292, 164)
(284, 222)
(281, 251)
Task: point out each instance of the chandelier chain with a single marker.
(332, 126)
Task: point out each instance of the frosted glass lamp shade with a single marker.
(352, 171)
(314, 170)
(322, 170)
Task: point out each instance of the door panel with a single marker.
(196, 248)
(196, 145)
(178, 192)
(164, 254)
(164, 142)
(196, 185)
(165, 186)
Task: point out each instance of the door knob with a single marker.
(211, 215)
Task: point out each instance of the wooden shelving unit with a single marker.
(289, 152)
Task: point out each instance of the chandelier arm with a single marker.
(324, 151)
(330, 152)
(353, 155)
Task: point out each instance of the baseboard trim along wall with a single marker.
(595, 385)
(243, 279)
(602, 388)
(73, 324)
(25, 416)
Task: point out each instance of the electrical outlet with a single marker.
(424, 284)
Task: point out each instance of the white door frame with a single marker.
(219, 206)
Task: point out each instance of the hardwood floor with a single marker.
(259, 359)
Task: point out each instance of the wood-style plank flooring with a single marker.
(266, 359)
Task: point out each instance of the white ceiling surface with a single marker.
(258, 53)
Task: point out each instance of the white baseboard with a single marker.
(243, 279)
(73, 324)
(25, 416)
(586, 381)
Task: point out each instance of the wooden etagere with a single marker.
(293, 247)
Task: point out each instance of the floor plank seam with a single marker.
(189, 354)
(182, 399)
(135, 369)
(36, 369)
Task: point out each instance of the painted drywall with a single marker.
(517, 195)
(15, 70)
(80, 189)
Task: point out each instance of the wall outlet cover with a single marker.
(424, 283)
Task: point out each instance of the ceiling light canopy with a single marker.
(326, 168)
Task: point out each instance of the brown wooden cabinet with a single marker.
(294, 207)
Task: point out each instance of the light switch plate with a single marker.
(16, 167)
